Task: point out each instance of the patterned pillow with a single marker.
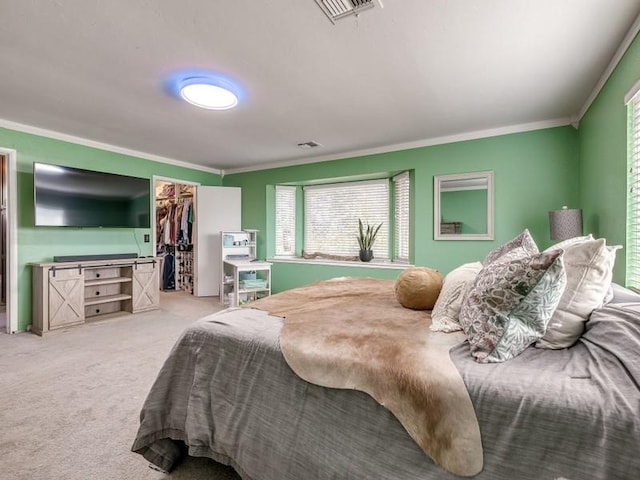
(589, 267)
(444, 317)
(510, 304)
(524, 241)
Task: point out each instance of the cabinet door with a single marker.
(66, 297)
(145, 294)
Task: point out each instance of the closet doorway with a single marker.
(174, 233)
(8, 242)
(190, 251)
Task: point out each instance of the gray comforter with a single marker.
(226, 393)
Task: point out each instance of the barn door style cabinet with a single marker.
(70, 293)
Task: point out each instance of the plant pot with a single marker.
(366, 255)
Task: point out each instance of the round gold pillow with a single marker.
(418, 288)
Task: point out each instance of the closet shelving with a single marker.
(175, 208)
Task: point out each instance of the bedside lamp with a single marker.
(565, 223)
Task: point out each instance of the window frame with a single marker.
(282, 253)
(300, 236)
(401, 244)
(632, 250)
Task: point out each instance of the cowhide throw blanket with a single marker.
(352, 333)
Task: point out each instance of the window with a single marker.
(633, 189)
(331, 214)
(401, 211)
(285, 221)
(330, 217)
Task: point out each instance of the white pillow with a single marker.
(589, 267)
(564, 244)
(444, 317)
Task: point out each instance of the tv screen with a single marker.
(73, 197)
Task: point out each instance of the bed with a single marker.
(226, 392)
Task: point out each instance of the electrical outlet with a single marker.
(146, 238)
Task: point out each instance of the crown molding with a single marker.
(475, 135)
(626, 43)
(101, 146)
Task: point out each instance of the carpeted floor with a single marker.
(69, 401)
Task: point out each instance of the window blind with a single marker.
(633, 193)
(285, 220)
(401, 214)
(331, 214)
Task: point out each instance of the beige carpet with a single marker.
(69, 401)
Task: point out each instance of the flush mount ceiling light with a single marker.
(205, 89)
(202, 94)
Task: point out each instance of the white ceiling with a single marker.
(413, 73)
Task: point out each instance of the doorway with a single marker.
(174, 202)
(8, 242)
(3, 242)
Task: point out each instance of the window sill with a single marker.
(340, 263)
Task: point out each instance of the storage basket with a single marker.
(247, 275)
(255, 283)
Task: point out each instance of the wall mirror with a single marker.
(463, 206)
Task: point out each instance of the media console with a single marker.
(70, 293)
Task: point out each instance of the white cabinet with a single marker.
(69, 293)
(243, 278)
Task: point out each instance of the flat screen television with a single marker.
(73, 197)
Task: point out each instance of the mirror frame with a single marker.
(437, 183)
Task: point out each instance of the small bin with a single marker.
(256, 283)
(247, 275)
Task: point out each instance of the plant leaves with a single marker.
(367, 238)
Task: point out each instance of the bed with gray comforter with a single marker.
(225, 392)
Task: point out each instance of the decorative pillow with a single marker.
(418, 288)
(444, 317)
(510, 303)
(564, 244)
(524, 241)
(589, 267)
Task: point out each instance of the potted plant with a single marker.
(366, 239)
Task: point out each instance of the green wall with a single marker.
(534, 172)
(38, 244)
(603, 158)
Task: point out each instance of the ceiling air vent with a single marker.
(307, 145)
(336, 9)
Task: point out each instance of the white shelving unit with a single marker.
(243, 277)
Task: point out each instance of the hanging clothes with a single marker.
(174, 223)
(169, 272)
(185, 227)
